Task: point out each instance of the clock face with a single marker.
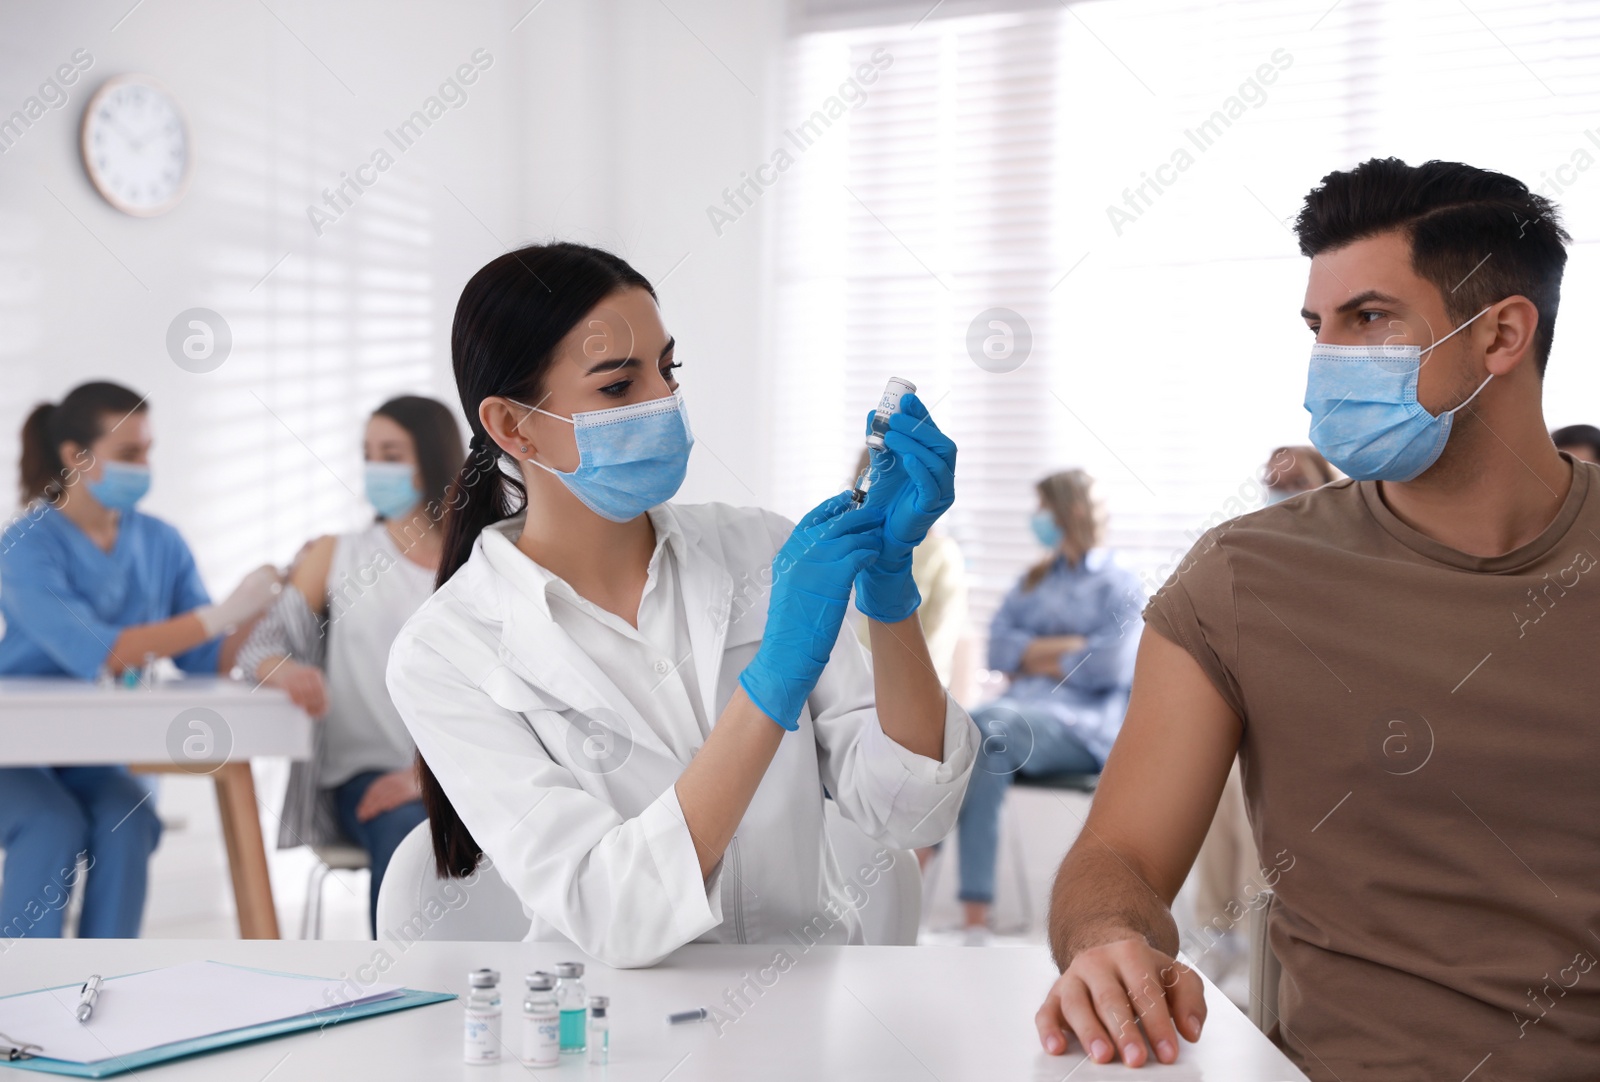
(135, 145)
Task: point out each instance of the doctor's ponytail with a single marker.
(511, 317)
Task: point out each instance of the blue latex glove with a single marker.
(811, 576)
(912, 483)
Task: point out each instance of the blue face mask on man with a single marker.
(630, 458)
(1366, 419)
(121, 485)
(391, 487)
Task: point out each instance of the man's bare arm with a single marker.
(1111, 927)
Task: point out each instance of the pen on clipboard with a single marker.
(87, 997)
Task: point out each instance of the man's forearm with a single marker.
(1099, 898)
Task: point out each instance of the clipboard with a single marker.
(119, 1063)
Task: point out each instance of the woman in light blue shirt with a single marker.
(89, 585)
(1066, 635)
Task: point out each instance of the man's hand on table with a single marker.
(1108, 990)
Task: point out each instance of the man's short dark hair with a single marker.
(1479, 236)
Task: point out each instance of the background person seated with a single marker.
(1228, 862)
(1066, 635)
(1580, 441)
(88, 585)
(326, 642)
(1290, 471)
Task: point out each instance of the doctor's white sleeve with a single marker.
(892, 793)
(626, 891)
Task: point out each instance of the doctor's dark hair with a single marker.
(511, 317)
(1478, 236)
(436, 439)
(88, 411)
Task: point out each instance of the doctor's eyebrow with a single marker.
(1355, 302)
(627, 362)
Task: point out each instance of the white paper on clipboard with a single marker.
(146, 1010)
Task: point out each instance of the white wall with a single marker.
(610, 123)
(613, 123)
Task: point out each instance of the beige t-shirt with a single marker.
(1420, 754)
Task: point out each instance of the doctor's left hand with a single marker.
(913, 483)
(811, 576)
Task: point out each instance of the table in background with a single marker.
(198, 725)
(838, 1014)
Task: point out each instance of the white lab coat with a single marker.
(499, 701)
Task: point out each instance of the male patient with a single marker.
(1406, 664)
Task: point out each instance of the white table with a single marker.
(839, 1014)
(197, 725)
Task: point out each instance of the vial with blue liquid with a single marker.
(573, 1000)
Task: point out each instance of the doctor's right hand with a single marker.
(254, 594)
(811, 578)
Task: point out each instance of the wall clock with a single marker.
(135, 145)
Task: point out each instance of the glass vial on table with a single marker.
(541, 1022)
(599, 1029)
(483, 1017)
(573, 1000)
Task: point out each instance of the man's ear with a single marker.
(1510, 329)
(504, 421)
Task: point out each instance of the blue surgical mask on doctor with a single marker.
(630, 458)
(1365, 417)
(121, 485)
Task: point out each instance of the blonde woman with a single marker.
(1066, 636)
(940, 572)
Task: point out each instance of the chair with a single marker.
(415, 904)
(1011, 828)
(1077, 783)
(1265, 969)
(335, 857)
(1061, 782)
(893, 908)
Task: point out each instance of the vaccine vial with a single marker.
(483, 1017)
(573, 1001)
(599, 1030)
(541, 1022)
(888, 406)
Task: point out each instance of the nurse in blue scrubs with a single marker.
(88, 585)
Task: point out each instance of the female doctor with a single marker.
(633, 707)
(88, 584)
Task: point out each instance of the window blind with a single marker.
(1122, 177)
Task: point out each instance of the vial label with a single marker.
(482, 1038)
(573, 1024)
(541, 1040)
